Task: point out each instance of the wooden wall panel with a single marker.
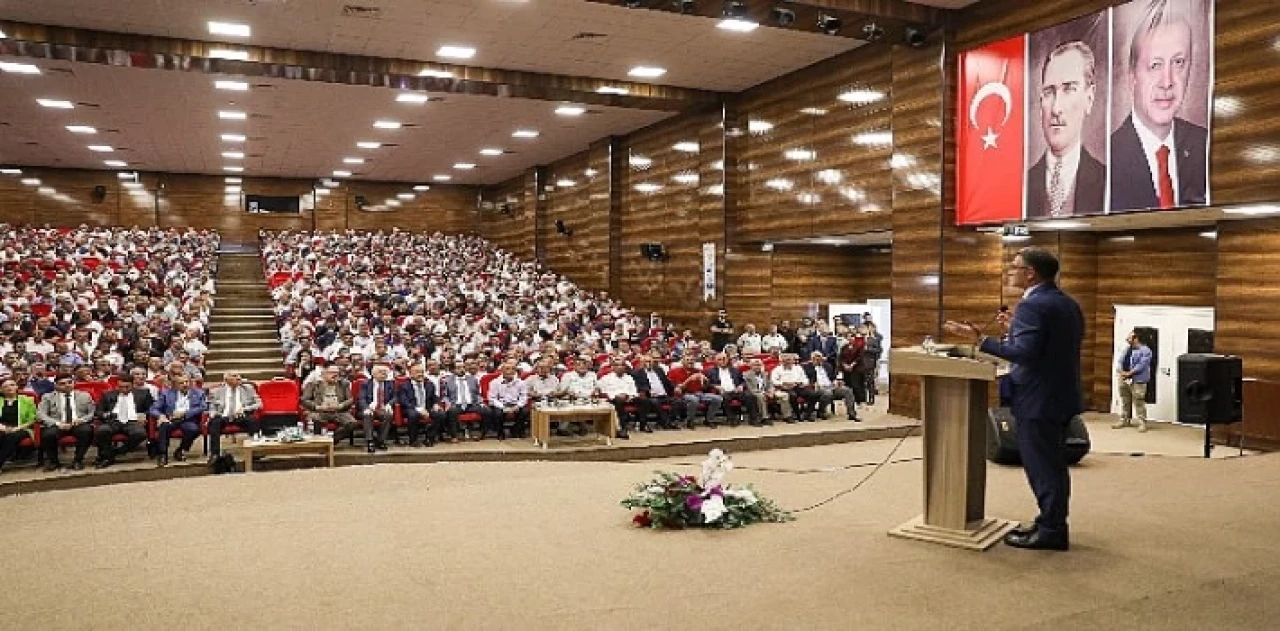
(668, 199)
(509, 214)
(575, 196)
(201, 201)
(808, 276)
(1248, 295)
(748, 292)
(842, 184)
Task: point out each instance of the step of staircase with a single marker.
(211, 363)
(245, 310)
(219, 324)
(244, 317)
(246, 334)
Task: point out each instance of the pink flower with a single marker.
(693, 502)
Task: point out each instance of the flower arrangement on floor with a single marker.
(678, 501)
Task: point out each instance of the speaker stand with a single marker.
(1208, 443)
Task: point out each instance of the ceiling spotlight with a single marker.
(491, 151)
(608, 89)
(456, 52)
(916, 38)
(30, 181)
(647, 72)
(233, 138)
(435, 74)
(231, 115)
(686, 146)
(783, 17)
(421, 188)
(386, 124)
(464, 166)
(10, 171)
(829, 24)
(405, 196)
(524, 133)
(684, 6)
(872, 32)
(233, 169)
(231, 180)
(442, 178)
(101, 148)
(571, 110)
(353, 160)
(412, 97)
(55, 104)
(235, 86)
(81, 129)
(233, 155)
(234, 55)
(368, 145)
(229, 29)
(18, 68)
(341, 174)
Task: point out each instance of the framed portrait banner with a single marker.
(1107, 113)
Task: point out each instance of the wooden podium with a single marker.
(953, 404)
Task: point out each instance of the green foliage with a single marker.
(673, 501)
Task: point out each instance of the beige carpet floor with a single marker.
(1159, 543)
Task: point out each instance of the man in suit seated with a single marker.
(790, 378)
(65, 412)
(180, 407)
(509, 397)
(328, 400)
(122, 411)
(828, 386)
(376, 403)
(1158, 160)
(462, 396)
(417, 397)
(653, 386)
(726, 381)
(760, 387)
(234, 403)
(1067, 180)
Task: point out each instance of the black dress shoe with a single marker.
(381, 446)
(622, 434)
(644, 427)
(164, 460)
(1023, 530)
(180, 455)
(1037, 540)
(52, 466)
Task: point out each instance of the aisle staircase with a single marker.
(242, 328)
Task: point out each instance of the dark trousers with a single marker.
(1042, 444)
(421, 425)
(368, 417)
(857, 381)
(134, 434)
(50, 436)
(519, 421)
(9, 442)
(747, 405)
(804, 401)
(218, 424)
(666, 408)
(190, 429)
(452, 414)
(642, 409)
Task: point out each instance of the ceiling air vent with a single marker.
(358, 11)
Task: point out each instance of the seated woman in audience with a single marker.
(17, 419)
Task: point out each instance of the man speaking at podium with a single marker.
(1044, 347)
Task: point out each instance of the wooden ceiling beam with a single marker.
(35, 41)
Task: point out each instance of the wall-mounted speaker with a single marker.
(563, 229)
(653, 251)
(99, 194)
(361, 202)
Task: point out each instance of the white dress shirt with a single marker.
(784, 377)
(579, 386)
(1150, 144)
(125, 408)
(614, 384)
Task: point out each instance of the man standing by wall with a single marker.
(1134, 368)
(1044, 347)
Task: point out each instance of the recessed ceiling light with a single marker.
(368, 145)
(685, 178)
(81, 129)
(648, 187)
(737, 25)
(571, 110)
(759, 126)
(829, 176)
(353, 160)
(394, 203)
(235, 55)
(30, 181)
(640, 162)
(115, 163)
(412, 97)
(232, 115)
(238, 86)
(101, 148)
(126, 176)
(232, 189)
(46, 190)
(1062, 225)
(327, 183)
(779, 184)
(341, 173)
(686, 146)
(232, 180)
(565, 183)
(608, 89)
(230, 29)
(55, 103)
(491, 151)
(648, 72)
(456, 52)
(386, 124)
(800, 154)
(138, 193)
(16, 68)
(813, 111)
(422, 187)
(874, 138)
(323, 191)
(234, 155)
(861, 97)
(436, 74)
(132, 185)
(233, 169)
(233, 138)
(590, 172)
(406, 196)
(442, 178)
(464, 166)
(524, 133)
(10, 171)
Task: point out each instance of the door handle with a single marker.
(1168, 372)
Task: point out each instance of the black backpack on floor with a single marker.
(225, 463)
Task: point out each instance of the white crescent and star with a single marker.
(1001, 91)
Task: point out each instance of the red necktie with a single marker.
(1166, 182)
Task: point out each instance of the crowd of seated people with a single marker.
(449, 336)
(86, 313)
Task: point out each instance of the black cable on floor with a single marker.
(865, 479)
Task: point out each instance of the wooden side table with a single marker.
(603, 417)
(322, 445)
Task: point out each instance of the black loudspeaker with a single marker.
(1209, 388)
(1002, 438)
(653, 251)
(563, 229)
(99, 194)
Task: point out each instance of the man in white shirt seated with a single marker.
(620, 389)
(509, 398)
(761, 387)
(789, 377)
(578, 384)
(726, 380)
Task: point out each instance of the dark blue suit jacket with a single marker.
(1131, 182)
(825, 345)
(197, 403)
(713, 379)
(1044, 347)
(407, 395)
(366, 394)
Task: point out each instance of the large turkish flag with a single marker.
(990, 129)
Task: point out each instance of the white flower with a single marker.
(745, 495)
(713, 509)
